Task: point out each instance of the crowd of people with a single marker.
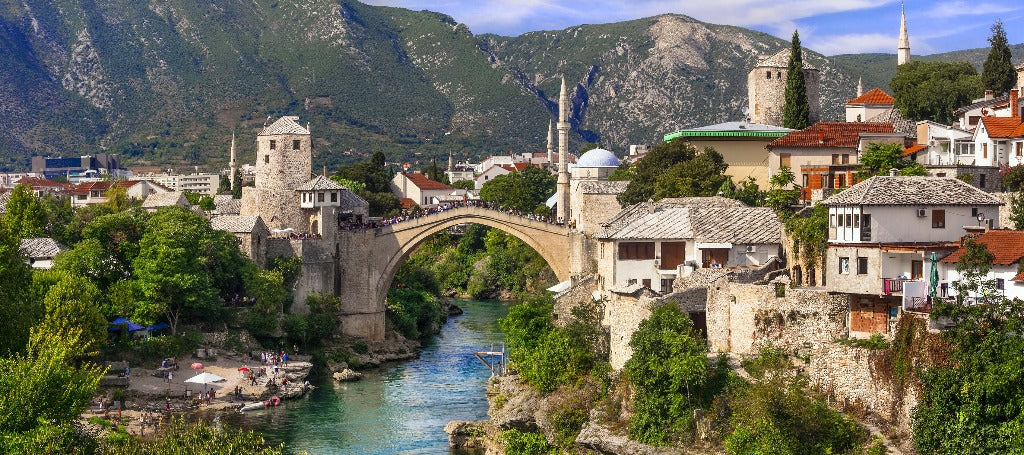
(413, 214)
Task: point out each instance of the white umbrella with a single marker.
(204, 378)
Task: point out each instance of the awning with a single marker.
(552, 200)
(132, 327)
(560, 287)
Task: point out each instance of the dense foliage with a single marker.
(371, 180)
(181, 437)
(932, 90)
(998, 73)
(1012, 178)
(674, 169)
(797, 111)
(525, 190)
(879, 159)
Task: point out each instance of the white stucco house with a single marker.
(650, 244)
(1007, 248)
(882, 235)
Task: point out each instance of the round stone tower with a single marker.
(766, 89)
(284, 154)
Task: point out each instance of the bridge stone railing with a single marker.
(471, 212)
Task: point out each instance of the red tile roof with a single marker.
(407, 203)
(873, 96)
(85, 187)
(1005, 245)
(36, 182)
(830, 134)
(515, 167)
(425, 183)
(1002, 126)
(914, 149)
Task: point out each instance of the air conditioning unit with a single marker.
(921, 213)
(751, 249)
(657, 262)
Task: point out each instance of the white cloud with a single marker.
(854, 43)
(959, 8)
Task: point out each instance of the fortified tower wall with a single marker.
(766, 90)
(283, 163)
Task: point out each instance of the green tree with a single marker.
(782, 195)
(797, 113)
(183, 436)
(669, 369)
(71, 304)
(236, 186)
(932, 90)
(117, 198)
(26, 215)
(17, 317)
(747, 191)
(1017, 210)
(973, 267)
(998, 73)
(674, 169)
(48, 382)
(467, 185)
(266, 287)
(206, 203)
(522, 190)
(880, 159)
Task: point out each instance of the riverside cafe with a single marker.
(125, 328)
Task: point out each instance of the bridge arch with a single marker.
(550, 241)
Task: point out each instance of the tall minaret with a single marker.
(451, 161)
(551, 143)
(860, 86)
(233, 164)
(563, 155)
(903, 51)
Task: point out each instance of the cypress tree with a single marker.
(998, 73)
(797, 114)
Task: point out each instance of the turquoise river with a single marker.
(400, 408)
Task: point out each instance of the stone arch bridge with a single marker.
(367, 260)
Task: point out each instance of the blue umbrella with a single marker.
(132, 327)
(159, 326)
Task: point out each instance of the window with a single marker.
(666, 284)
(767, 74)
(266, 159)
(647, 283)
(334, 196)
(856, 221)
(1020, 149)
(849, 220)
(636, 251)
(778, 75)
(631, 281)
(320, 196)
(862, 266)
(832, 223)
(296, 144)
(916, 270)
(840, 220)
(841, 181)
(844, 266)
(940, 174)
(1000, 284)
(846, 158)
(981, 180)
(835, 158)
(938, 219)
(974, 212)
(784, 160)
(273, 144)
(984, 150)
(865, 228)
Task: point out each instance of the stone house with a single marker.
(742, 145)
(1007, 247)
(418, 187)
(650, 244)
(999, 141)
(885, 230)
(251, 232)
(825, 156)
(869, 105)
(157, 200)
(39, 252)
(284, 154)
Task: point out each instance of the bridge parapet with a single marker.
(472, 212)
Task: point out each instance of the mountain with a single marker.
(167, 81)
(879, 69)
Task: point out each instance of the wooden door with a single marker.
(916, 270)
(672, 254)
(869, 315)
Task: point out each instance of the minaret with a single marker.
(563, 155)
(451, 163)
(903, 51)
(233, 164)
(551, 143)
(860, 86)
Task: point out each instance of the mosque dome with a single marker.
(598, 158)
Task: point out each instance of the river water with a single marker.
(400, 408)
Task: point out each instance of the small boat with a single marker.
(253, 406)
(273, 401)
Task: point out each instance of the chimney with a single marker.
(1014, 103)
(893, 172)
(989, 94)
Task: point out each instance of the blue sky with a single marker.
(827, 26)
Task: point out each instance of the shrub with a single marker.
(523, 443)
(546, 356)
(1012, 178)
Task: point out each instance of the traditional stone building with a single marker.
(766, 89)
(252, 234)
(284, 154)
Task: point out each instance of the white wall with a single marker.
(900, 224)
(624, 270)
(1011, 289)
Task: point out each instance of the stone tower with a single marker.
(562, 189)
(766, 89)
(232, 164)
(284, 154)
(903, 50)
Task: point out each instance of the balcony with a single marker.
(891, 286)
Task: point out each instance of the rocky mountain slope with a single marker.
(167, 81)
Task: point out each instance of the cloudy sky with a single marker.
(827, 26)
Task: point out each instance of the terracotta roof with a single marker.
(407, 203)
(515, 167)
(425, 183)
(830, 134)
(38, 182)
(873, 96)
(914, 149)
(1007, 247)
(285, 125)
(918, 191)
(1018, 277)
(1001, 126)
(86, 187)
